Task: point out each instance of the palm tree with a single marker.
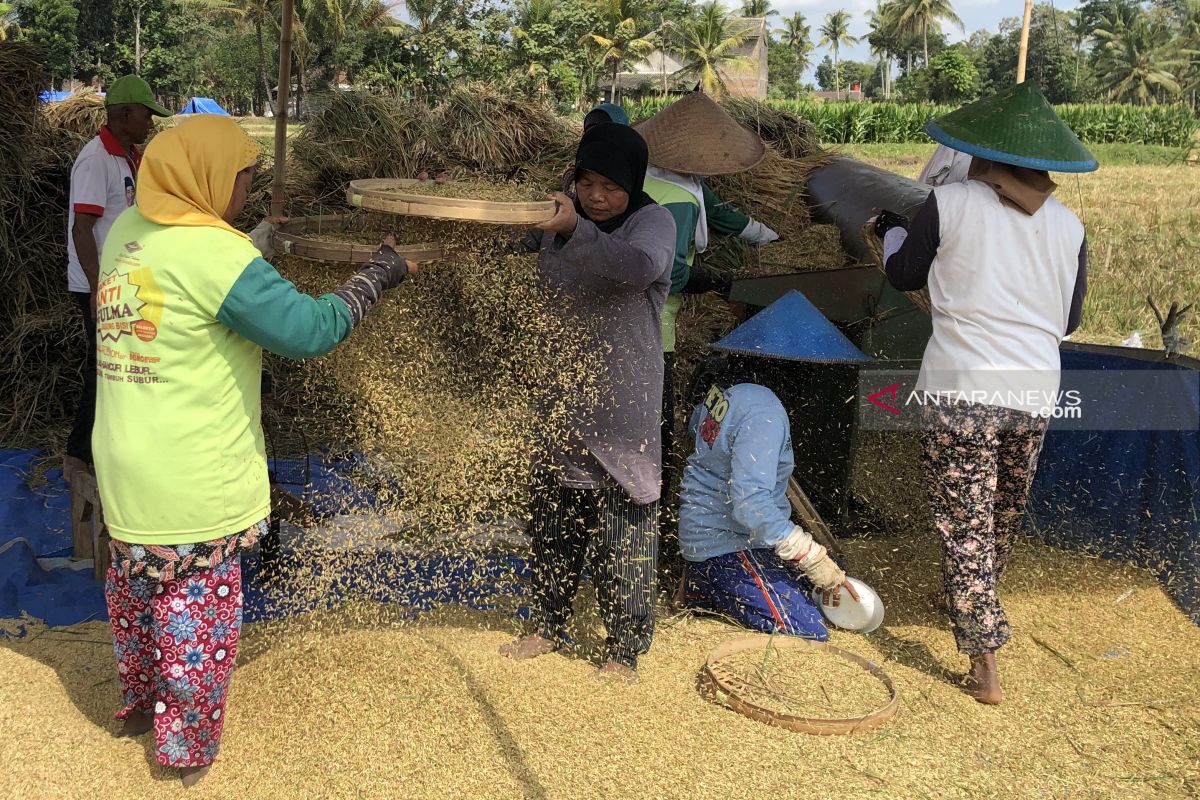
(921, 15)
(426, 14)
(1133, 64)
(258, 14)
(883, 39)
(8, 15)
(797, 35)
(707, 44)
(835, 32)
(529, 15)
(620, 39)
(758, 8)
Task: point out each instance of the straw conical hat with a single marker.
(1016, 126)
(695, 136)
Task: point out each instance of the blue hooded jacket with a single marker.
(734, 489)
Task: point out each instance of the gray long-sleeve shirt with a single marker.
(614, 286)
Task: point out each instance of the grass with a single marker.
(1142, 213)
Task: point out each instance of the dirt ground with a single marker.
(1102, 679)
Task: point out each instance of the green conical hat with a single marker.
(1016, 126)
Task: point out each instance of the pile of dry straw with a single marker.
(42, 340)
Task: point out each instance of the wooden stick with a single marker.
(810, 519)
(281, 107)
(1023, 52)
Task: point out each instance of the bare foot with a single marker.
(137, 723)
(190, 776)
(528, 647)
(616, 672)
(983, 681)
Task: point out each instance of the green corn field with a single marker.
(869, 123)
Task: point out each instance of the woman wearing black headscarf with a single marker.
(608, 254)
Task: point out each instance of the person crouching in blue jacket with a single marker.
(745, 558)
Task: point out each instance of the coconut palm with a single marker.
(620, 39)
(258, 15)
(1134, 64)
(797, 35)
(758, 8)
(921, 15)
(8, 19)
(883, 39)
(835, 32)
(707, 44)
(533, 17)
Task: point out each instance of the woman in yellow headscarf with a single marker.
(185, 306)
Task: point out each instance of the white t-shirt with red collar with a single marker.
(103, 184)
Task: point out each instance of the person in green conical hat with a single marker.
(1006, 269)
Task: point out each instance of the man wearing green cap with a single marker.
(103, 183)
(1006, 268)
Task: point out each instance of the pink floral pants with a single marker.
(175, 643)
(980, 461)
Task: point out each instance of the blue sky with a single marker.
(975, 14)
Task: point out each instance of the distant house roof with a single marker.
(747, 81)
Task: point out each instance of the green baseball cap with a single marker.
(132, 89)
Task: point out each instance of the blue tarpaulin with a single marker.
(38, 579)
(1129, 495)
(55, 97)
(203, 105)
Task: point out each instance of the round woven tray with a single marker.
(725, 686)
(391, 195)
(301, 237)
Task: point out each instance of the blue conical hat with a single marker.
(792, 329)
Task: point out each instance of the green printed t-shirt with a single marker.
(178, 439)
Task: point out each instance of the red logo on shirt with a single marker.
(710, 429)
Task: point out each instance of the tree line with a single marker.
(564, 50)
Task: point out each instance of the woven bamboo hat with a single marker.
(695, 136)
(1017, 127)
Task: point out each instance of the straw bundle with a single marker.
(499, 135)
(773, 191)
(359, 135)
(790, 134)
(42, 343)
(82, 113)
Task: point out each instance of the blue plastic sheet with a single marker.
(1126, 495)
(203, 105)
(37, 578)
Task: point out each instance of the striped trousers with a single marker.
(623, 539)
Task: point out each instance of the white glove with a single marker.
(757, 233)
(821, 569)
(795, 546)
(893, 240)
(811, 558)
(263, 238)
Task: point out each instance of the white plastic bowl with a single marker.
(863, 615)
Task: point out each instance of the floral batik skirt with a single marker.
(980, 461)
(176, 613)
